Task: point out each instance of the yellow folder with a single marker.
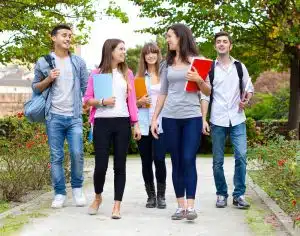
(140, 88)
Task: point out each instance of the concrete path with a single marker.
(138, 220)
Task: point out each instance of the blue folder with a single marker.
(103, 86)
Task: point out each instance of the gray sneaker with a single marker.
(221, 201)
(240, 202)
(179, 214)
(191, 214)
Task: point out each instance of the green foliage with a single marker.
(162, 44)
(24, 158)
(133, 57)
(254, 135)
(3, 206)
(116, 11)
(265, 32)
(278, 172)
(28, 24)
(270, 106)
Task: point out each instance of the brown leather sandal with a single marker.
(116, 215)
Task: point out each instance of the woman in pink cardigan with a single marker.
(112, 119)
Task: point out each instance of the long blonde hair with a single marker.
(143, 65)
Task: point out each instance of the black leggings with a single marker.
(152, 149)
(118, 131)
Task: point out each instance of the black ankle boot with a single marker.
(151, 201)
(161, 201)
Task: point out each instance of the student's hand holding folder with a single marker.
(144, 101)
(142, 97)
(192, 75)
(198, 72)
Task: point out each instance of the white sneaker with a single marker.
(79, 197)
(59, 201)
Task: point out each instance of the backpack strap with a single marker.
(239, 69)
(211, 76)
(49, 59)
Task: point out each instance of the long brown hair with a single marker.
(187, 44)
(106, 59)
(143, 65)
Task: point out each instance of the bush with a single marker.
(270, 106)
(278, 171)
(24, 159)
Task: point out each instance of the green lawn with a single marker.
(3, 206)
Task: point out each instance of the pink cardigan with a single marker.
(131, 99)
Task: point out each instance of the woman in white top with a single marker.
(112, 118)
(151, 149)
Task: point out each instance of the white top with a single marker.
(154, 91)
(120, 93)
(63, 88)
(226, 95)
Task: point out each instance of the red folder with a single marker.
(202, 66)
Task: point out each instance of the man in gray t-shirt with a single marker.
(67, 82)
(63, 87)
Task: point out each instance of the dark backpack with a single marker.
(211, 74)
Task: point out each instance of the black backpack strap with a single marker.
(239, 69)
(211, 76)
(50, 60)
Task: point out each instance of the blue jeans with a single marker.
(239, 141)
(182, 139)
(59, 128)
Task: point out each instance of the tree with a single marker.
(266, 33)
(133, 57)
(27, 23)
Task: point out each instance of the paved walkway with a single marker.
(138, 220)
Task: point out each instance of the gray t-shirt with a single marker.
(63, 88)
(179, 104)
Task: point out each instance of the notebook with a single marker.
(202, 65)
(103, 86)
(140, 88)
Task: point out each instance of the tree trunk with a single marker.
(294, 109)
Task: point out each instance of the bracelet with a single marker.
(102, 102)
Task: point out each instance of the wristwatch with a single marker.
(102, 100)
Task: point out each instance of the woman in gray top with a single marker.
(182, 119)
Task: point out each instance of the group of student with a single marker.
(166, 118)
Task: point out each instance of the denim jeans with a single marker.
(182, 138)
(238, 139)
(59, 128)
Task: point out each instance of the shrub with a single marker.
(270, 106)
(278, 171)
(24, 158)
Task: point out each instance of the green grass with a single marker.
(256, 220)
(278, 195)
(12, 224)
(4, 206)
